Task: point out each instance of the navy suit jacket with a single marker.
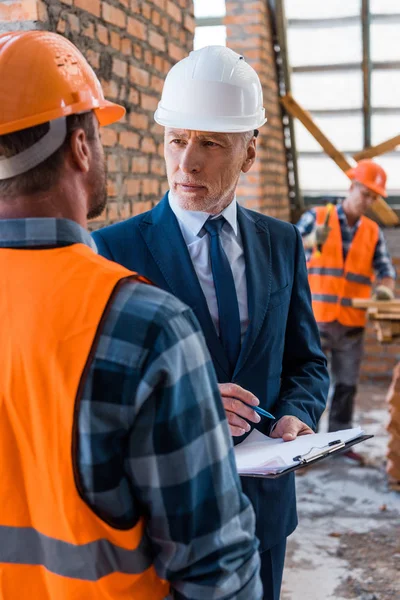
(281, 360)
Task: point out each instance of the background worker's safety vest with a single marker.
(52, 545)
(335, 282)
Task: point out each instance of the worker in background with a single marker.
(344, 249)
(117, 472)
(243, 273)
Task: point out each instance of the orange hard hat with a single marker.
(370, 174)
(44, 77)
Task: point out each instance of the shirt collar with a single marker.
(43, 232)
(194, 220)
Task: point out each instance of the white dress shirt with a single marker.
(198, 243)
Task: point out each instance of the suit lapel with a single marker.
(257, 253)
(162, 234)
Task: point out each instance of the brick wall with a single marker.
(380, 359)
(131, 45)
(265, 187)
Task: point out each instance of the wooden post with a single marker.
(393, 427)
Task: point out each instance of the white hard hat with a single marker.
(212, 89)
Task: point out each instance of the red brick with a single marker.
(159, 3)
(141, 207)
(150, 186)
(174, 11)
(146, 11)
(139, 76)
(126, 47)
(112, 163)
(148, 146)
(176, 52)
(91, 6)
(159, 63)
(157, 166)
(111, 189)
(156, 83)
(110, 88)
(156, 18)
(149, 102)
(113, 15)
(120, 68)
(139, 120)
(133, 187)
(115, 40)
(138, 52)
(137, 28)
(93, 58)
(148, 57)
(109, 137)
(102, 34)
(126, 210)
(157, 41)
(140, 164)
(126, 3)
(89, 31)
(128, 139)
(165, 24)
(134, 96)
(26, 10)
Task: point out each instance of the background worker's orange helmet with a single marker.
(43, 77)
(371, 175)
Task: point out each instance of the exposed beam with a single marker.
(353, 112)
(324, 23)
(353, 66)
(340, 21)
(354, 153)
(366, 70)
(385, 214)
(379, 149)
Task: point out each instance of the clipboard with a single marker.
(326, 452)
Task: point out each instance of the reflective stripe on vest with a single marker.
(52, 544)
(89, 562)
(333, 282)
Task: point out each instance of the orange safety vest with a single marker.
(52, 544)
(335, 282)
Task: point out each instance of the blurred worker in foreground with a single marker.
(243, 273)
(343, 249)
(117, 475)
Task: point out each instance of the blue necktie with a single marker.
(228, 307)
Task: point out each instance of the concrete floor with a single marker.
(347, 544)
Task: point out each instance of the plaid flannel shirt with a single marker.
(153, 437)
(382, 262)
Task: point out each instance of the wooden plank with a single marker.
(384, 305)
(380, 208)
(385, 317)
(379, 149)
(304, 117)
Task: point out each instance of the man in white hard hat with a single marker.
(243, 273)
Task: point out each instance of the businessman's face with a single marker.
(203, 168)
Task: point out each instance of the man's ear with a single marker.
(80, 149)
(251, 154)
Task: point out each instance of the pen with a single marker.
(260, 411)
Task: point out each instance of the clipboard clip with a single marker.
(325, 450)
